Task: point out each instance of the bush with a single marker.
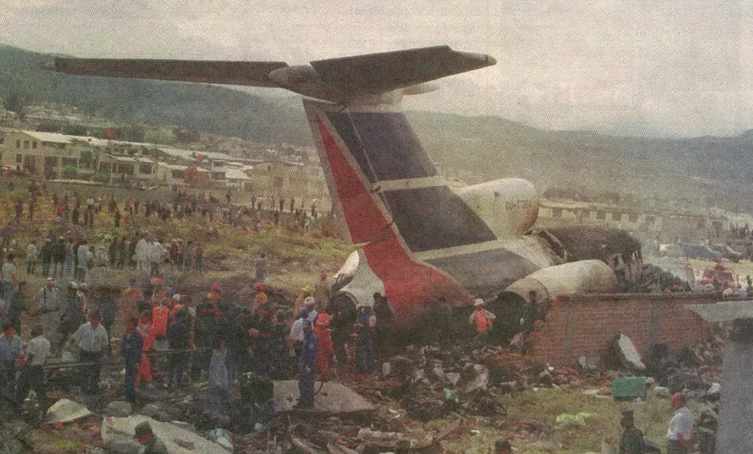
(69, 172)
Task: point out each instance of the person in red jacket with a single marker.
(147, 333)
(325, 348)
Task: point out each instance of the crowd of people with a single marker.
(168, 340)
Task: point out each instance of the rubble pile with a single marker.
(654, 278)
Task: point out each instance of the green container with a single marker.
(629, 387)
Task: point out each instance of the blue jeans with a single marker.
(68, 266)
(306, 388)
(366, 362)
(7, 296)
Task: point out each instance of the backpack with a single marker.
(160, 314)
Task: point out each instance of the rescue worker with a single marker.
(384, 315)
(215, 296)
(364, 327)
(145, 436)
(307, 367)
(131, 350)
(147, 334)
(632, 438)
(325, 348)
(481, 320)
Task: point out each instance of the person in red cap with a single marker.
(325, 348)
(680, 430)
(322, 292)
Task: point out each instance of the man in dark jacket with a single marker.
(46, 256)
(632, 438)
(130, 351)
(58, 258)
(178, 335)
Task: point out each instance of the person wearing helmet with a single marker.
(325, 348)
(481, 319)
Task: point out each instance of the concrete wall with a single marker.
(586, 324)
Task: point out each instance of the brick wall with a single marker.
(585, 324)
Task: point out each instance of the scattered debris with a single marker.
(65, 410)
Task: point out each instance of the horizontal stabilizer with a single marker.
(383, 72)
(215, 72)
(336, 80)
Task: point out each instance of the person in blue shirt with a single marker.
(307, 367)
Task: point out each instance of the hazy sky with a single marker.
(669, 68)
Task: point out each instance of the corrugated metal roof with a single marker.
(723, 311)
(49, 136)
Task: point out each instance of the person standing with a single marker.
(322, 292)
(32, 255)
(48, 302)
(45, 255)
(70, 254)
(178, 334)
(11, 352)
(131, 351)
(366, 362)
(19, 306)
(92, 342)
(307, 367)
(73, 313)
(261, 268)
(482, 320)
(9, 282)
(32, 374)
(83, 255)
(58, 258)
(680, 429)
(325, 348)
(632, 438)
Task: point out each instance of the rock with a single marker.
(176, 439)
(117, 444)
(715, 389)
(159, 411)
(119, 408)
(453, 377)
(661, 391)
(66, 410)
(222, 438)
(627, 353)
(480, 379)
(333, 398)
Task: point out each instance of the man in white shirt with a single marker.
(9, 282)
(680, 427)
(32, 254)
(92, 341)
(32, 374)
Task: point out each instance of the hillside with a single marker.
(714, 169)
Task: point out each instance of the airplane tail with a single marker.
(392, 200)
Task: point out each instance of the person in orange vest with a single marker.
(325, 348)
(261, 297)
(481, 320)
(147, 333)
